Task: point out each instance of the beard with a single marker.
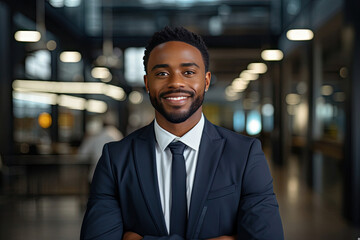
(177, 117)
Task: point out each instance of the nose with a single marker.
(176, 81)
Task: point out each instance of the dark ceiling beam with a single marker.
(72, 35)
(254, 41)
(63, 27)
(193, 7)
(55, 20)
(210, 9)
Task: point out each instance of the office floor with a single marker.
(304, 214)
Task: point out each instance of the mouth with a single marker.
(176, 101)
(177, 97)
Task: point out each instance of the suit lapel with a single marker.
(210, 150)
(144, 152)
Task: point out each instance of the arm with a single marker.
(223, 238)
(135, 236)
(103, 218)
(258, 216)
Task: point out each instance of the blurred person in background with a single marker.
(181, 177)
(95, 139)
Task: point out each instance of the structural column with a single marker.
(352, 149)
(352, 141)
(6, 68)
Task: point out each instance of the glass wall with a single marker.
(316, 80)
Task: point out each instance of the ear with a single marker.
(207, 81)
(146, 83)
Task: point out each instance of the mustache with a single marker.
(161, 95)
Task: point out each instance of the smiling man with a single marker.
(176, 81)
(181, 177)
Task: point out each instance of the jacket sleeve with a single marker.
(258, 216)
(103, 218)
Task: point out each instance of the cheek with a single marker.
(200, 85)
(153, 86)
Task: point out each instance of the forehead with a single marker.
(175, 52)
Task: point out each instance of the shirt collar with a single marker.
(192, 138)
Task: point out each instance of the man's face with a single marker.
(176, 80)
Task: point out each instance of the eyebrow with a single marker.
(160, 66)
(182, 65)
(189, 65)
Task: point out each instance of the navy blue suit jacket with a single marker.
(232, 192)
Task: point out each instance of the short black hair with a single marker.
(181, 34)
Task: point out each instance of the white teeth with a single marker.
(176, 98)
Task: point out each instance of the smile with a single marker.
(176, 98)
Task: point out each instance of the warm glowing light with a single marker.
(58, 87)
(272, 55)
(135, 97)
(248, 75)
(327, 90)
(96, 106)
(292, 99)
(44, 120)
(293, 189)
(108, 79)
(71, 102)
(258, 68)
(27, 36)
(112, 91)
(45, 98)
(51, 45)
(291, 109)
(239, 85)
(231, 94)
(70, 56)
(300, 34)
(229, 91)
(100, 72)
(343, 72)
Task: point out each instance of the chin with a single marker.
(177, 117)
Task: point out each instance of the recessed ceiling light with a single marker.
(70, 56)
(27, 36)
(272, 55)
(300, 34)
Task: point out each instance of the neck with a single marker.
(179, 129)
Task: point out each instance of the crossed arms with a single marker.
(257, 215)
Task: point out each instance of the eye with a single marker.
(189, 72)
(161, 74)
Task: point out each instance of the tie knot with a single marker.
(177, 148)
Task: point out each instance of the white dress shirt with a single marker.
(164, 162)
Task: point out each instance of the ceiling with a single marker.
(234, 30)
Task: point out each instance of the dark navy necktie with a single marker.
(178, 215)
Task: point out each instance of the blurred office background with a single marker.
(284, 71)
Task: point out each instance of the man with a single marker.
(221, 189)
(92, 145)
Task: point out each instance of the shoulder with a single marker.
(143, 132)
(228, 134)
